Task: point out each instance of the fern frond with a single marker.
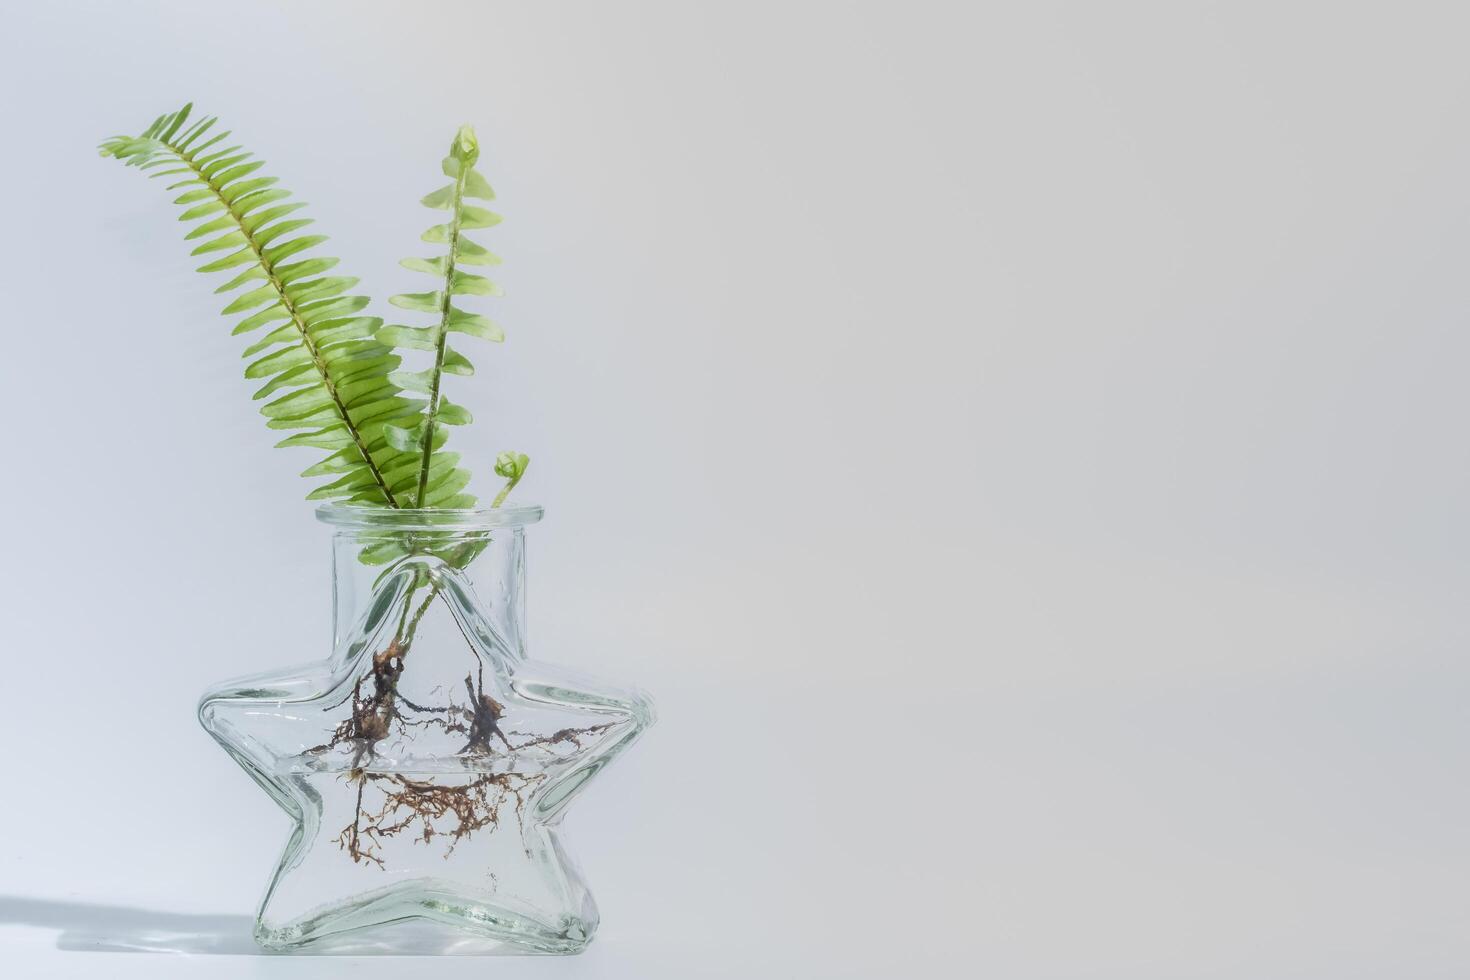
(435, 478)
(324, 366)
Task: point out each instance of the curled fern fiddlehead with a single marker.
(322, 360)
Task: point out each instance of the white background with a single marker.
(1022, 447)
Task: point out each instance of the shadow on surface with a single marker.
(89, 927)
(94, 928)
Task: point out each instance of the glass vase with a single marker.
(428, 762)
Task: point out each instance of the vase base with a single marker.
(421, 936)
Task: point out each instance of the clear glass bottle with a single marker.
(427, 763)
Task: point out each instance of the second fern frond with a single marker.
(419, 434)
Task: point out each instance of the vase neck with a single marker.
(374, 568)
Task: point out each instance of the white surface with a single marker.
(1021, 448)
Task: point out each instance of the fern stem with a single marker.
(505, 490)
(296, 319)
(431, 415)
(406, 635)
(413, 624)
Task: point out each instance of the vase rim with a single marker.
(429, 518)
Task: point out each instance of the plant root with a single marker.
(423, 806)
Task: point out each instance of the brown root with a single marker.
(374, 714)
(422, 805)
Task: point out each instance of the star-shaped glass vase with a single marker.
(427, 764)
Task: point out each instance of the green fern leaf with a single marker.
(321, 361)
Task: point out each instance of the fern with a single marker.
(330, 373)
(422, 433)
